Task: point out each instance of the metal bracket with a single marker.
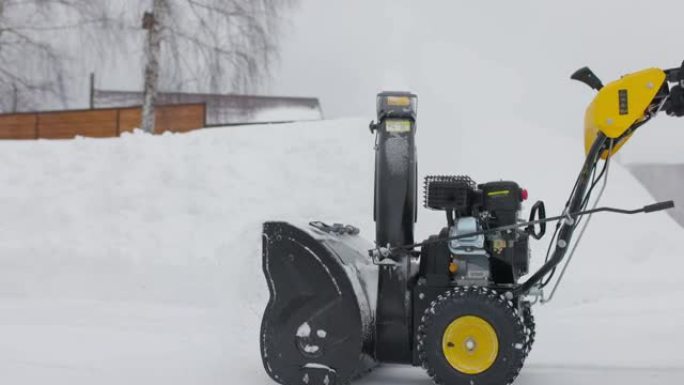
(336, 228)
(537, 295)
(381, 256)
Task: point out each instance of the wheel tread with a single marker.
(492, 297)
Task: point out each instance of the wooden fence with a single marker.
(98, 123)
(223, 109)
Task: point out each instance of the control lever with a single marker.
(588, 77)
(660, 206)
(538, 215)
(382, 251)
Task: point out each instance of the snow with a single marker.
(286, 114)
(663, 181)
(543, 375)
(137, 260)
(660, 143)
(319, 366)
(304, 330)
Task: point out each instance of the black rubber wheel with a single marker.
(486, 307)
(530, 326)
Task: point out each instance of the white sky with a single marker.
(507, 58)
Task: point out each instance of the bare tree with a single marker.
(32, 66)
(208, 45)
(191, 45)
(152, 22)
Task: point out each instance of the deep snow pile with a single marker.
(137, 260)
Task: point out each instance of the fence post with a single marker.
(92, 90)
(15, 98)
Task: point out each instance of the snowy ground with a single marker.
(544, 375)
(656, 159)
(662, 180)
(137, 260)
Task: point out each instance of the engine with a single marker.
(477, 259)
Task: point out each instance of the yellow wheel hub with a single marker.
(470, 344)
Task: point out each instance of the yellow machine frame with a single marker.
(621, 104)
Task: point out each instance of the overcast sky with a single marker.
(507, 58)
(475, 65)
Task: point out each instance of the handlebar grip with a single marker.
(675, 75)
(538, 212)
(659, 206)
(674, 106)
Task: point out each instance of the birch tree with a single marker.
(152, 22)
(207, 45)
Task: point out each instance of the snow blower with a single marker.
(455, 304)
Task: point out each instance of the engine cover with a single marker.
(469, 256)
(467, 246)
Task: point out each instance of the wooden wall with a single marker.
(19, 126)
(98, 123)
